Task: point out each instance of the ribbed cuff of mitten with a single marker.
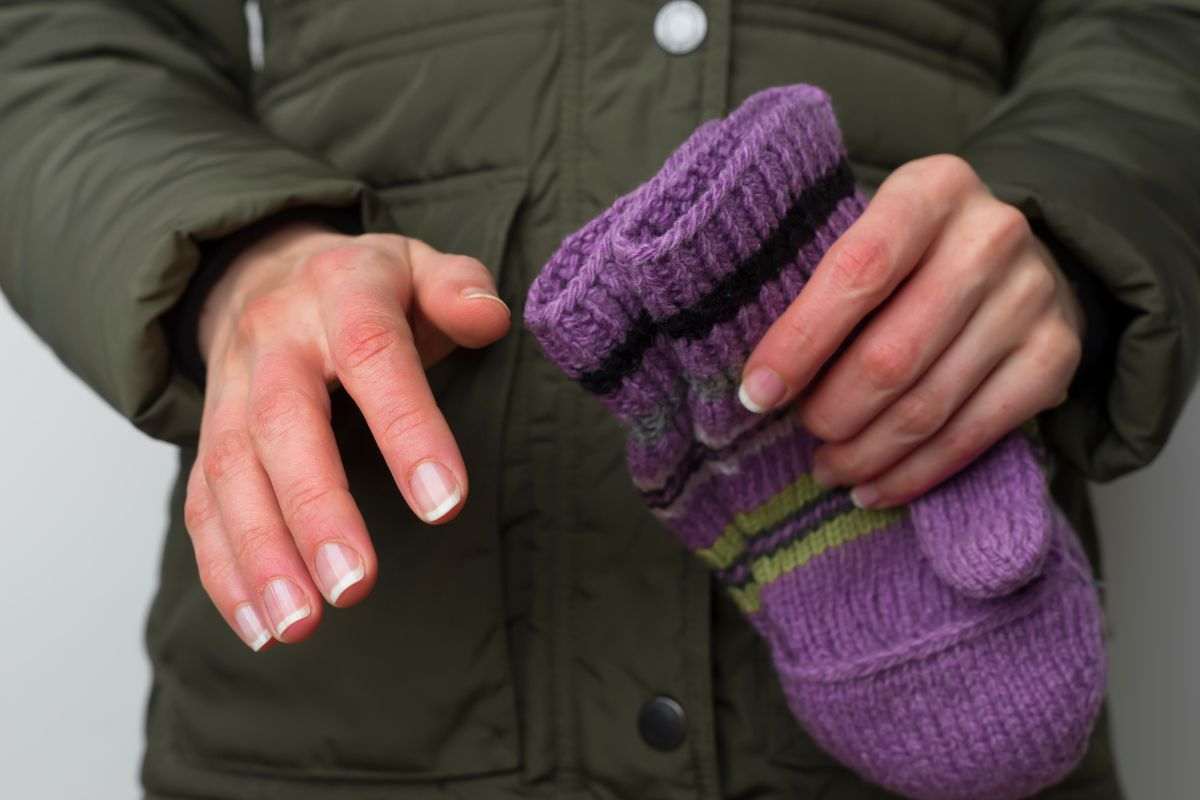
(656, 304)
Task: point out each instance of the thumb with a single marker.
(454, 299)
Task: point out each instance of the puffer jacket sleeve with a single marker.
(1098, 141)
(126, 143)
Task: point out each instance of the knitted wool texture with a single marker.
(947, 649)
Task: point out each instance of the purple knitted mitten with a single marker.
(947, 649)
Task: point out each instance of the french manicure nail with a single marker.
(761, 390)
(250, 627)
(435, 490)
(474, 293)
(286, 604)
(863, 496)
(338, 568)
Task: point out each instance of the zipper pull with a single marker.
(255, 44)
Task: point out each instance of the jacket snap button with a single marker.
(680, 26)
(662, 723)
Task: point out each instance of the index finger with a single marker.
(855, 275)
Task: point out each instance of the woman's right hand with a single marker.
(302, 310)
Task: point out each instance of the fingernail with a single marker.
(338, 568)
(250, 627)
(434, 490)
(286, 604)
(761, 390)
(822, 476)
(474, 293)
(863, 496)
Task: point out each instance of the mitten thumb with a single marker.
(986, 529)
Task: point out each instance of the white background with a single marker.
(82, 510)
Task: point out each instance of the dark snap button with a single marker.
(662, 723)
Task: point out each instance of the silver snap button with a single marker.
(680, 26)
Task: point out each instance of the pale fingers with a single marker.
(1043, 367)
(219, 574)
(290, 427)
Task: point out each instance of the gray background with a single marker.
(82, 505)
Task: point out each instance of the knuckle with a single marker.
(197, 512)
(845, 465)
(336, 260)
(227, 456)
(305, 498)
(799, 333)
(947, 172)
(385, 241)
(251, 542)
(1035, 287)
(265, 312)
(963, 440)
(363, 340)
(1058, 352)
(405, 248)
(275, 413)
(1072, 355)
(860, 265)
(401, 421)
(1008, 227)
(466, 263)
(214, 575)
(887, 364)
(918, 416)
(1054, 344)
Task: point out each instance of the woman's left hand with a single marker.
(974, 330)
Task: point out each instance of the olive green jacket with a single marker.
(508, 653)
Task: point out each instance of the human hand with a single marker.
(268, 508)
(983, 333)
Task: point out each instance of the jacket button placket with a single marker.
(638, 80)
